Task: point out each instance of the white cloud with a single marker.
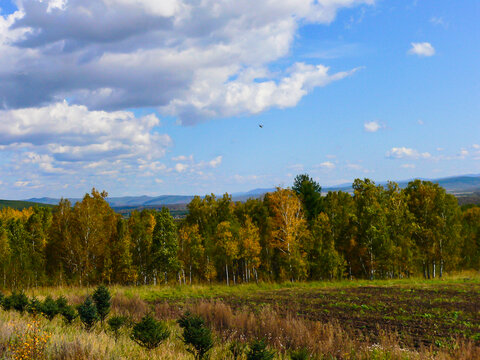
(408, 166)
(245, 178)
(326, 165)
(215, 162)
(188, 163)
(69, 140)
(354, 166)
(179, 167)
(117, 54)
(476, 146)
(463, 153)
(296, 167)
(422, 49)
(404, 153)
(438, 20)
(372, 126)
(21, 183)
(182, 158)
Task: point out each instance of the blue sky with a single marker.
(141, 97)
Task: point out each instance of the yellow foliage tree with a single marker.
(289, 230)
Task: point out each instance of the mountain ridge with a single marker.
(457, 185)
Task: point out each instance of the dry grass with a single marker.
(324, 340)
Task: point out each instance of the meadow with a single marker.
(381, 319)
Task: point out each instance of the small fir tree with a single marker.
(196, 335)
(149, 332)
(88, 313)
(18, 301)
(49, 308)
(62, 302)
(102, 300)
(34, 306)
(260, 351)
(68, 313)
(115, 323)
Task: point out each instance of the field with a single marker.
(398, 319)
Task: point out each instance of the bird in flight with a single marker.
(261, 125)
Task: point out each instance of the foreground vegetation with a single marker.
(384, 319)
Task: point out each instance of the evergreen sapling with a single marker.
(102, 300)
(149, 332)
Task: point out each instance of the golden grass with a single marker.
(325, 340)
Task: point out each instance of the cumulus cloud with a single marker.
(406, 153)
(188, 163)
(408, 166)
(194, 60)
(422, 49)
(62, 139)
(372, 126)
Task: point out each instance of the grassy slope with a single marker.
(20, 205)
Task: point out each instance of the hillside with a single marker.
(466, 188)
(20, 205)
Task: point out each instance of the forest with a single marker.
(291, 234)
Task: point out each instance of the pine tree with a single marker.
(88, 313)
(115, 323)
(259, 351)
(102, 300)
(149, 332)
(196, 335)
(49, 308)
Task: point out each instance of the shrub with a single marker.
(30, 343)
(149, 332)
(49, 308)
(68, 313)
(115, 323)
(34, 306)
(259, 351)
(102, 300)
(88, 313)
(61, 302)
(300, 354)
(2, 296)
(196, 335)
(7, 303)
(18, 301)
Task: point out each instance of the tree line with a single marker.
(290, 234)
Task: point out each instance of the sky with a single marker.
(146, 97)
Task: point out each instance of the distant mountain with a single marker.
(460, 186)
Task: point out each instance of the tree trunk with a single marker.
(433, 269)
(190, 274)
(441, 269)
(226, 272)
